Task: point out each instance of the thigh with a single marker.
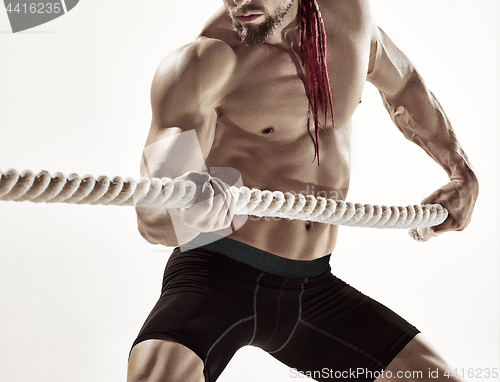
(203, 307)
(344, 334)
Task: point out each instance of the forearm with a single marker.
(156, 228)
(422, 120)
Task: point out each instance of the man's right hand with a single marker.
(213, 207)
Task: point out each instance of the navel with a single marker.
(268, 130)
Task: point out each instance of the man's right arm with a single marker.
(186, 91)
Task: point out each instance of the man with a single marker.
(252, 94)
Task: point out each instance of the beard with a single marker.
(258, 34)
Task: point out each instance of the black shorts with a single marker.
(218, 298)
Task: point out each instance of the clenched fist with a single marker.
(213, 207)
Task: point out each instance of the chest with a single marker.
(268, 92)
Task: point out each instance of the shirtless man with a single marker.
(268, 284)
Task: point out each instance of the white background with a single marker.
(77, 282)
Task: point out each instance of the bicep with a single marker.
(389, 68)
(184, 98)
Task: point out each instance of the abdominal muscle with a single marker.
(288, 167)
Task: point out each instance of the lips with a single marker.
(248, 18)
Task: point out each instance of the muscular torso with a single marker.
(265, 131)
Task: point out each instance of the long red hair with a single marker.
(314, 54)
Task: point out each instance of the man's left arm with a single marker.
(422, 120)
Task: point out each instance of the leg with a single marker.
(418, 361)
(160, 361)
(339, 333)
(203, 316)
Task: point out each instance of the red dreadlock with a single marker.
(313, 52)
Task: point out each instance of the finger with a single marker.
(226, 214)
(199, 178)
(197, 212)
(443, 227)
(451, 224)
(203, 204)
(195, 176)
(230, 193)
(224, 203)
(447, 225)
(223, 200)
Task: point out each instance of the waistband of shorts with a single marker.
(258, 258)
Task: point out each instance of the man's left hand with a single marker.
(459, 197)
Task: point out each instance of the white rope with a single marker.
(177, 193)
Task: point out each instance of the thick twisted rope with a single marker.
(178, 193)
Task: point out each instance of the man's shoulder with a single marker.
(191, 81)
(351, 6)
(203, 65)
(203, 54)
(351, 15)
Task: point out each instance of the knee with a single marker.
(158, 360)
